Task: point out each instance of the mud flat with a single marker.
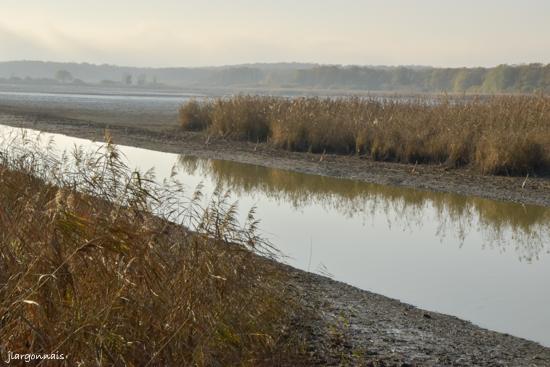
(360, 328)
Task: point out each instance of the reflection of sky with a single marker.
(396, 247)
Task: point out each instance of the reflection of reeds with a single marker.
(88, 271)
(502, 224)
(499, 135)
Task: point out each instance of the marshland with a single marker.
(178, 196)
(166, 227)
(141, 240)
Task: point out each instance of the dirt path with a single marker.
(530, 190)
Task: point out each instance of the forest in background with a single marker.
(526, 78)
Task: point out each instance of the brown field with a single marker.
(503, 135)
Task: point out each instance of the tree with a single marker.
(468, 79)
(127, 79)
(503, 78)
(63, 76)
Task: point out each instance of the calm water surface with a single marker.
(124, 102)
(481, 260)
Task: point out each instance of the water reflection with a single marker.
(521, 228)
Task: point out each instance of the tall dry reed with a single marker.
(498, 135)
(96, 265)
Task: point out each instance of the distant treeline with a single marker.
(500, 79)
(503, 78)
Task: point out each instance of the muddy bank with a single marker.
(359, 328)
(168, 138)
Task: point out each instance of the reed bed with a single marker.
(105, 266)
(507, 135)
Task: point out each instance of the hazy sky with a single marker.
(216, 32)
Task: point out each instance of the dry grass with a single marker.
(194, 116)
(499, 135)
(88, 271)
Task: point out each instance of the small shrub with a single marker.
(241, 117)
(194, 116)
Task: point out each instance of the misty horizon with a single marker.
(172, 33)
(262, 63)
(285, 76)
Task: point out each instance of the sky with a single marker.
(215, 32)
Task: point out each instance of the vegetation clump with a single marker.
(194, 116)
(108, 267)
(507, 135)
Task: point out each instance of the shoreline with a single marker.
(165, 138)
(359, 328)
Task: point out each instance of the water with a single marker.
(105, 102)
(480, 260)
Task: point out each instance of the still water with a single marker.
(122, 103)
(481, 260)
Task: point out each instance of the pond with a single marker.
(481, 260)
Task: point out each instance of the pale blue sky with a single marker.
(197, 33)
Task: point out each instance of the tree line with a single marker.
(501, 79)
(525, 78)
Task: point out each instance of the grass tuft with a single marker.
(194, 116)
